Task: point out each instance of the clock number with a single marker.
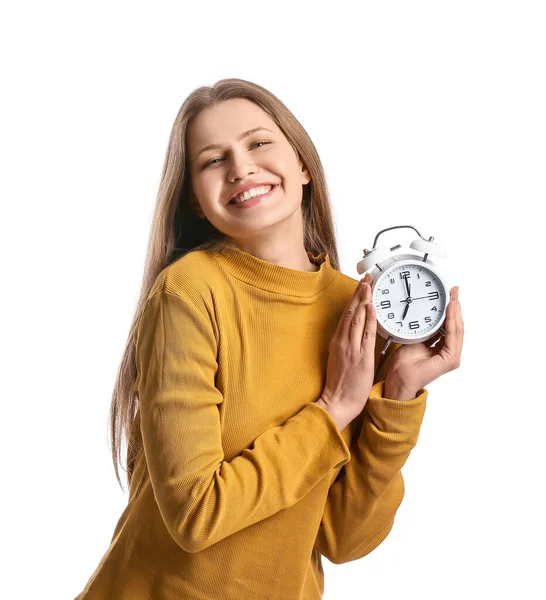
(392, 279)
(434, 308)
(399, 323)
(433, 295)
(428, 283)
(405, 275)
(390, 316)
(414, 325)
(418, 275)
(428, 319)
(385, 291)
(386, 304)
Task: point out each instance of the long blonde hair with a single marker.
(176, 230)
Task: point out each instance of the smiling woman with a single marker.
(241, 478)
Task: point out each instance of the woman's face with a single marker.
(262, 157)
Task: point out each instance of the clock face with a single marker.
(409, 299)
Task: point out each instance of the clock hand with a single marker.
(408, 299)
(407, 287)
(420, 298)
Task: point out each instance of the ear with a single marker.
(305, 175)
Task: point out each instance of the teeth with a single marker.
(257, 191)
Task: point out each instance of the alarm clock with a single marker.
(409, 292)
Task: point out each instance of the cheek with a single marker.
(285, 168)
(207, 189)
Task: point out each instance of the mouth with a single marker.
(253, 201)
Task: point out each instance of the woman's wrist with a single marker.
(394, 390)
(340, 418)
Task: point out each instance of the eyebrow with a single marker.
(241, 137)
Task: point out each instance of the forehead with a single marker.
(225, 122)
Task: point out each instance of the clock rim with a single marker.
(410, 259)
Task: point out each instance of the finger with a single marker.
(370, 330)
(344, 325)
(358, 323)
(453, 327)
(356, 329)
(458, 315)
(459, 323)
(367, 290)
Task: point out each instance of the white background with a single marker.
(427, 113)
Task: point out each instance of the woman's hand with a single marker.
(350, 370)
(413, 366)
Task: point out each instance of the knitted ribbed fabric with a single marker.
(244, 481)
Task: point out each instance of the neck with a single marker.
(280, 245)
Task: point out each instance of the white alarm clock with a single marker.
(409, 292)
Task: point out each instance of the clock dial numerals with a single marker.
(425, 304)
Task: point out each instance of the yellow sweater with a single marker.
(245, 481)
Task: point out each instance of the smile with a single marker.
(253, 201)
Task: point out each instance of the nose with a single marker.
(240, 166)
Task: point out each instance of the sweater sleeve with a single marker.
(363, 500)
(202, 497)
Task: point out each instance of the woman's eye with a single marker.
(210, 162)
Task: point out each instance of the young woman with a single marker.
(264, 427)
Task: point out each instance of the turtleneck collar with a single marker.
(275, 278)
